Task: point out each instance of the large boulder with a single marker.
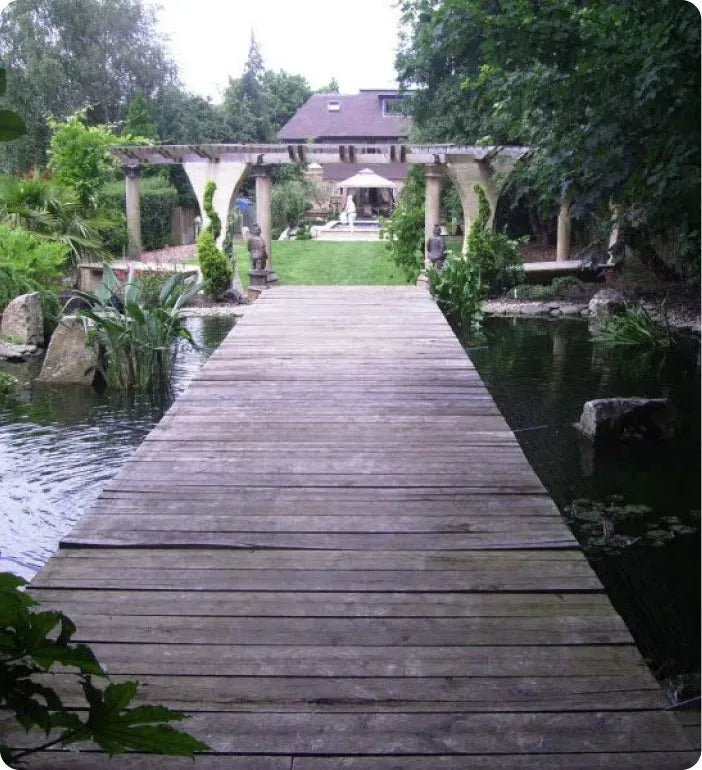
(70, 358)
(23, 320)
(623, 419)
(606, 303)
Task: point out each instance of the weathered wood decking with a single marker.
(333, 554)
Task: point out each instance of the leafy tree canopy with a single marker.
(261, 101)
(137, 120)
(606, 92)
(65, 55)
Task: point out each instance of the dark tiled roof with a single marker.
(337, 172)
(359, 116)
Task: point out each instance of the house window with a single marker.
(333, 106)
(393, 106)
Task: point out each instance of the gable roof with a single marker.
(359, 116)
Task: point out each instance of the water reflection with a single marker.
(59, 445)
(540, 373)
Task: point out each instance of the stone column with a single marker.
(132, 176)
(433, 175)
(563, 233)
(263, 207)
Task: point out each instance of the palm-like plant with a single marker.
(138, 339)
(52, 213)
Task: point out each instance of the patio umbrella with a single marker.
(367, 178)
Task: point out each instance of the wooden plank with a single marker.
(385, 694)
(324, 604)
(361, 632)
(193, 660)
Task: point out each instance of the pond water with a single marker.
(540, 373)
(60, 445)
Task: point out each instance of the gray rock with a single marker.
(23, 320)
(555, 312)
(571, 310)
(70, 358)
(623, 419)
(532, 310)
(607, 302)
(17, 353)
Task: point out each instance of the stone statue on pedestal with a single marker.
(260, 276)
(257, 249)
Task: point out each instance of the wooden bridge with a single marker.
(333, 554)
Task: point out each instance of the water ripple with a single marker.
(58, 450)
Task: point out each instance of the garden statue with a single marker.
(436, 249)
(260, 275)
(257, 249)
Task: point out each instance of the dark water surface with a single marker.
(59, 447)
(540, 373)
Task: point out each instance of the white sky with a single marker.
(354, 42)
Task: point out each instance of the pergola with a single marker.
(229, 164)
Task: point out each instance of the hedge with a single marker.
(158, 199)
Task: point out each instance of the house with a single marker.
(372, 116)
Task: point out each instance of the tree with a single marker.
(607, 94)
(66, 55)
(261, 101)
(285, 94)
(137, 119)
(332, 87)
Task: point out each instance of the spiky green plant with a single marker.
(633, 328)
(138, 339)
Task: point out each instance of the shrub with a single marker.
(215, 223)
(28, 263)
(34, 643)
(403, 232)
(290, 201)
(158, 198)
(458, 291)
(501, 265)
(217, 273)
(138, 340)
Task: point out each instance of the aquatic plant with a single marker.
(9, 387)
(610, 526)
(32, 644)
(633, 328)
(138, 340)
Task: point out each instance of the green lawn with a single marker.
(327, 262)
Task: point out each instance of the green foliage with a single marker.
(217, 273)
(137, 119)
(459, 292)
(11, 124)
(79, 158)
(66, 55)
(541, 75)
(29, 264)
(633, 328)
(610, 526)
(497, 256)
(403, 232)
(215, 223)
(559, 288)
(139, 340)
(32, 644)
(261, 101)
(52, 213)
(158, 198)
(290, 201)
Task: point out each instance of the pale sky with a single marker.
(354, 42)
